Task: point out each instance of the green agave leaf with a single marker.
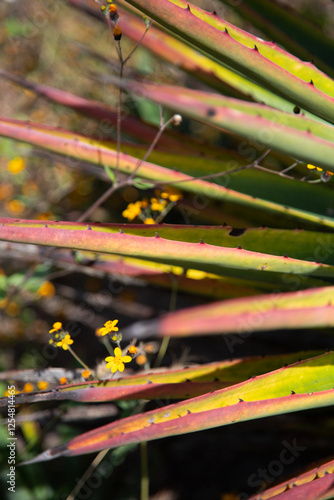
(290, 310)
(296, 136)
(251, 181)
(303, 485)
(295, 243)
(77, 146)
(209, 258)
(174, 384)
(196, 64)
(260, 61)
(290, 29)
(271, 394)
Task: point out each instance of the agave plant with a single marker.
(272, 167)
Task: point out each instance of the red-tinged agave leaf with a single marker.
(294, 135)
(308, 478)
(182, 383)
(209, 258)
(181, 55)
(80, 147)
(260, 61)
(319, 489)
(266, 395)
(95, 109)
(290, 28)
(312, 308)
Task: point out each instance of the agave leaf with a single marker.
(319, 489)
(260, 61)
(95, 109)
(186, 58)
(209, 258)
(289, 28)
(271, 394)
(298, 244)
(83, 148)
(311, 308)
(296, 136)
(182, 383)
(309, 481)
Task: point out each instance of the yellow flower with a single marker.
(15, 207)
(28, 387)
(42, 385)
(117, 362)
(86, 374)
(46, 289)
(171, 194)
(108, 327)
(149, 221)
(132, 349)
(158, 205)
(65, 342)
(56, 327)
(132, 210)
(141, 359)
(16, 165)
(63, 380)
(312, 167)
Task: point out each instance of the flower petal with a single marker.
(117, 352)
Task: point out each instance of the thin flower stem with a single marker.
(172, 306)
(97, 460)
(98, 202)
(162, 128)
(78, 359)
(108, 346)
(144, 483)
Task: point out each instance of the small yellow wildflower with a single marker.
(157, 205)
(46, 289)
(42, 385)
(86, 374)
(65, 342)
(132, 349)
(171, 194)
(56, 327)
(117, 362)
(141, 359)
(15, 207)
(313, 167)
(63, 380)
(149, 348)
(149, 221)
(132, 210)
(108, 327)
(16, 165)
(28, 387)
(10, 393)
